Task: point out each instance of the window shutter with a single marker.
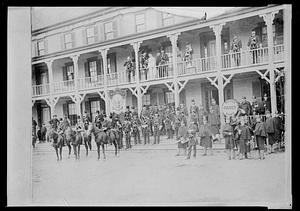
(115, 28)
(86, 69)
(46, 46)
(65, 77)
(62, 42)
(65, 109)
(101, 32)
(73, 39)
(98, 67)
(96, 33)
(84, 41)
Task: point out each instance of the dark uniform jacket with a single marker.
(270, 125)
(246, 106)
(253, 42)
(245, 133)
(164, 59)
(236, 45)
(260, 129)
(129, 66)
(258, 107)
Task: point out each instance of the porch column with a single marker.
(268, 18)
(217, 30)
(103, 53)
(50, 73)
(76, 76)
(173, 38)
(136, 47)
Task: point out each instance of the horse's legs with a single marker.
(103, 150)
(56, 150)
(90, 142)
(86, 147)
(69, 146)
(60, 152)
(98, 150)
(78, 151)
(75, 152)
(116, 147)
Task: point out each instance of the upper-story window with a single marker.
(108, 30)
(41, 48)
(68, 41)
(93, 70)
(90, 35)
(140, 22)
(70, 72)
(168, 19)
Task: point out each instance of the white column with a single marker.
(268, 18)
(136, 47)
(50, 73)
(76, 76)
(173, 38)
(217, 30)
(106, 97)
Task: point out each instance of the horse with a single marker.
(87, 139)
(73, 138)
(100, 138)
(114, 138)
(58, 141)
(33, 140)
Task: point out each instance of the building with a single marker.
(78, 64)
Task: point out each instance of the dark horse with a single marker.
(100, 138)
(74, 138)
(57, 143)
(114, 138)
(33, 140)
(87, 139)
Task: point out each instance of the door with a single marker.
(46, 116)
(210, 93)
(44, 80)
(95, 106)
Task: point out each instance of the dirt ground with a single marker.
(153, 175)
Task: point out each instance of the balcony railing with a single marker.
(241, 59)
(196, 65)
(90, 82)
(157, 72)
(39, 90)
(63, 86)
(245, 58)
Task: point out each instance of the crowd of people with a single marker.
(251, 128)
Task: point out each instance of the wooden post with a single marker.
(217, 30)
(136, 47)
(106, 97)
(50, 72)
(76, 76)
(268, 18)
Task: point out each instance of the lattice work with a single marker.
(213, 81)
(144, 90)
(170, 86)
(134, 91)
(181, 85)
(264, 75)
(227, 80)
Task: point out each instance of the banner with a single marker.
(117, 100)
(230, 107)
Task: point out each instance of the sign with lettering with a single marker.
(230, 107)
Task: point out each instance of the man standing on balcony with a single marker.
(236, 47)
(144, 65)
(188, 55)
(164, 59)
(253, 44)
(129, 68)
(152, 66)
(157, 125)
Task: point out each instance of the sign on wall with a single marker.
(230, 107)
(117, 100)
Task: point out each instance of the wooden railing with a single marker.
(278, 53)
(157, 72)
(90, 82)
(39, 90)
(120, 78)
(196, 65)
(64, 86)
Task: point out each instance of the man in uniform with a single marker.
(168, 127)
(86, 116)
(127, 131)
(257, 106)
(194, 108)
(145, 124)
(245, 107)
(266, 103)
(135, 130)
(177, 122)
(129, 68)
(134, 112)
(201, 114)
(254, 44)
(54, 122)
(157, 125)
(128, 114)
(236, 46)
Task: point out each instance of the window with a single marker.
(95, 106)
(70, 72)
(146, 99)
(90, 35)
(68, 41)
(168, 19)
(41, 48)
(170, 97)
(140, 23)
(93, 70)
(108, 30)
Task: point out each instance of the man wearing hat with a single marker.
(144, 64)
(54, 122)
(266, 103)
(129, 67)
(157, 125)
(164, 59)
(257, 106)
(128, 114)
(245, 107)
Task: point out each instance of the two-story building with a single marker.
(78, 64)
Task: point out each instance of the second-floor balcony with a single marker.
(197, 65)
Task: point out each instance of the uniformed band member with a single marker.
(54, 122)
(168, 127)
(127, 131)
(260, 136)
(145, 124)
(157, 125)
(129, 67)
(214, 120)
(270, 129)
(135, 130)
(236, 46)
(245, 107)
(254, 44)
(182, 138)
(244, 137)
(163, 60)
(128, 114)
(205, 134)
(229, 142)
(192, 139)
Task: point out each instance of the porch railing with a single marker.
(245, 58)
(196, 65)
(63, 86)
(157, 72)
(120, 77)
(42, 89)
(90, 82)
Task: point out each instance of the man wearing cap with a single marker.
(245, 107)
(266, 103)
(128, 114)
(194, 109)
(157, 125)
(257, 106)
(236, 46)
